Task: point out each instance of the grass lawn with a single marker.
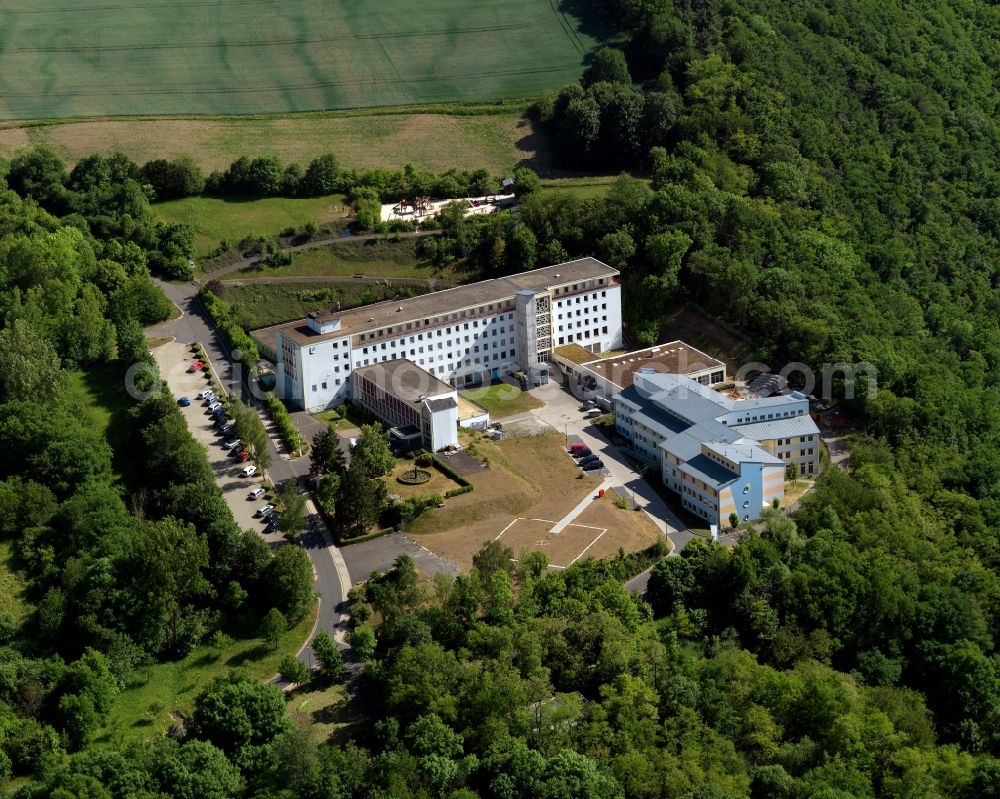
(324, 710)
(264, 304)
(531, 483)
(215, 219)
(373, 258)
(11, 585)
(438, 484)
(503, 399)
(277, 57)
(100, 391)
(137, 712)
(581, 188)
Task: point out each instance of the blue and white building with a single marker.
(719, 454)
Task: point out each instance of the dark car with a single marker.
(581, 453)
(593, 466)
(588, 459)
(272, 525)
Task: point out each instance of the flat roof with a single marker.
(402, 378)
(467, 409)
(393, 312)
(575, 354)
(673, 358)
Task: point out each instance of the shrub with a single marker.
(283, 421)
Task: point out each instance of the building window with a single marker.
(324, 385)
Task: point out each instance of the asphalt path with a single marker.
(332, 586)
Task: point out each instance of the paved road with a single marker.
(380, 553)
(432, 283)
(312, 245)
(332, 583)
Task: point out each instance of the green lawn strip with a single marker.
(11, 585)
(215, 220)
(374, 258)
(503, 400)
(100, 390)
(261, 305)
(143, 709)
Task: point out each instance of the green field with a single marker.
(373, 258)
(163, 57)
(100, 392)
(143, 709)
(214, 220)
(262, 305)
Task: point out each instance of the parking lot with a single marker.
(173, 359)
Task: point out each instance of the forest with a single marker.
(823, 178)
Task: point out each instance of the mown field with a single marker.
(490, 136)
(164, 57)
(215, 220)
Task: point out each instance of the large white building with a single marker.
(463, 336)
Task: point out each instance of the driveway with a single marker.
(562, 412)
(194, 326)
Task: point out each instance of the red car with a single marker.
(577, 446)
(196, 366)
(244, 455)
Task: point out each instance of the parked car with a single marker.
(593, 466)
(225, 429)
(196, 366)
(257, 493)
(229, 443)
(588, 405)
(271, 514)
(263, 509)
(242, 455)
(203, 393)
(272, 524)
(583, 452)
(248, 471)
(577, 446)
(588, 459)
(183, 402)
(214, 406)
(593, 413)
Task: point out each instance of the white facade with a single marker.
(464, 336)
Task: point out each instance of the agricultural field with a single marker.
(495, 137)
(232, 220)
(166, 57)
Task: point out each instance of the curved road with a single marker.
(332, 578)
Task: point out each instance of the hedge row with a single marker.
(236, 337)
(447, 471)
(283, 421)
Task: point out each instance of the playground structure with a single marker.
(421, 207)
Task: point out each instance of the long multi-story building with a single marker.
(464, 336)
(719, 454)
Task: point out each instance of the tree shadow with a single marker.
(254, 653)
(593, 19)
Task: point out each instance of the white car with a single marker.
(264, 509)
(248, 471)
(203, 394)
(214, 406)
(257, 493)
(210, 398)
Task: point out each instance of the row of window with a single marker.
(467, 313)
(581, 336)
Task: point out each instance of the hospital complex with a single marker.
(404, 361)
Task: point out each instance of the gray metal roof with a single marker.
(403, 379)
(779, 428)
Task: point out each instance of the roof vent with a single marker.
(558, 275)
